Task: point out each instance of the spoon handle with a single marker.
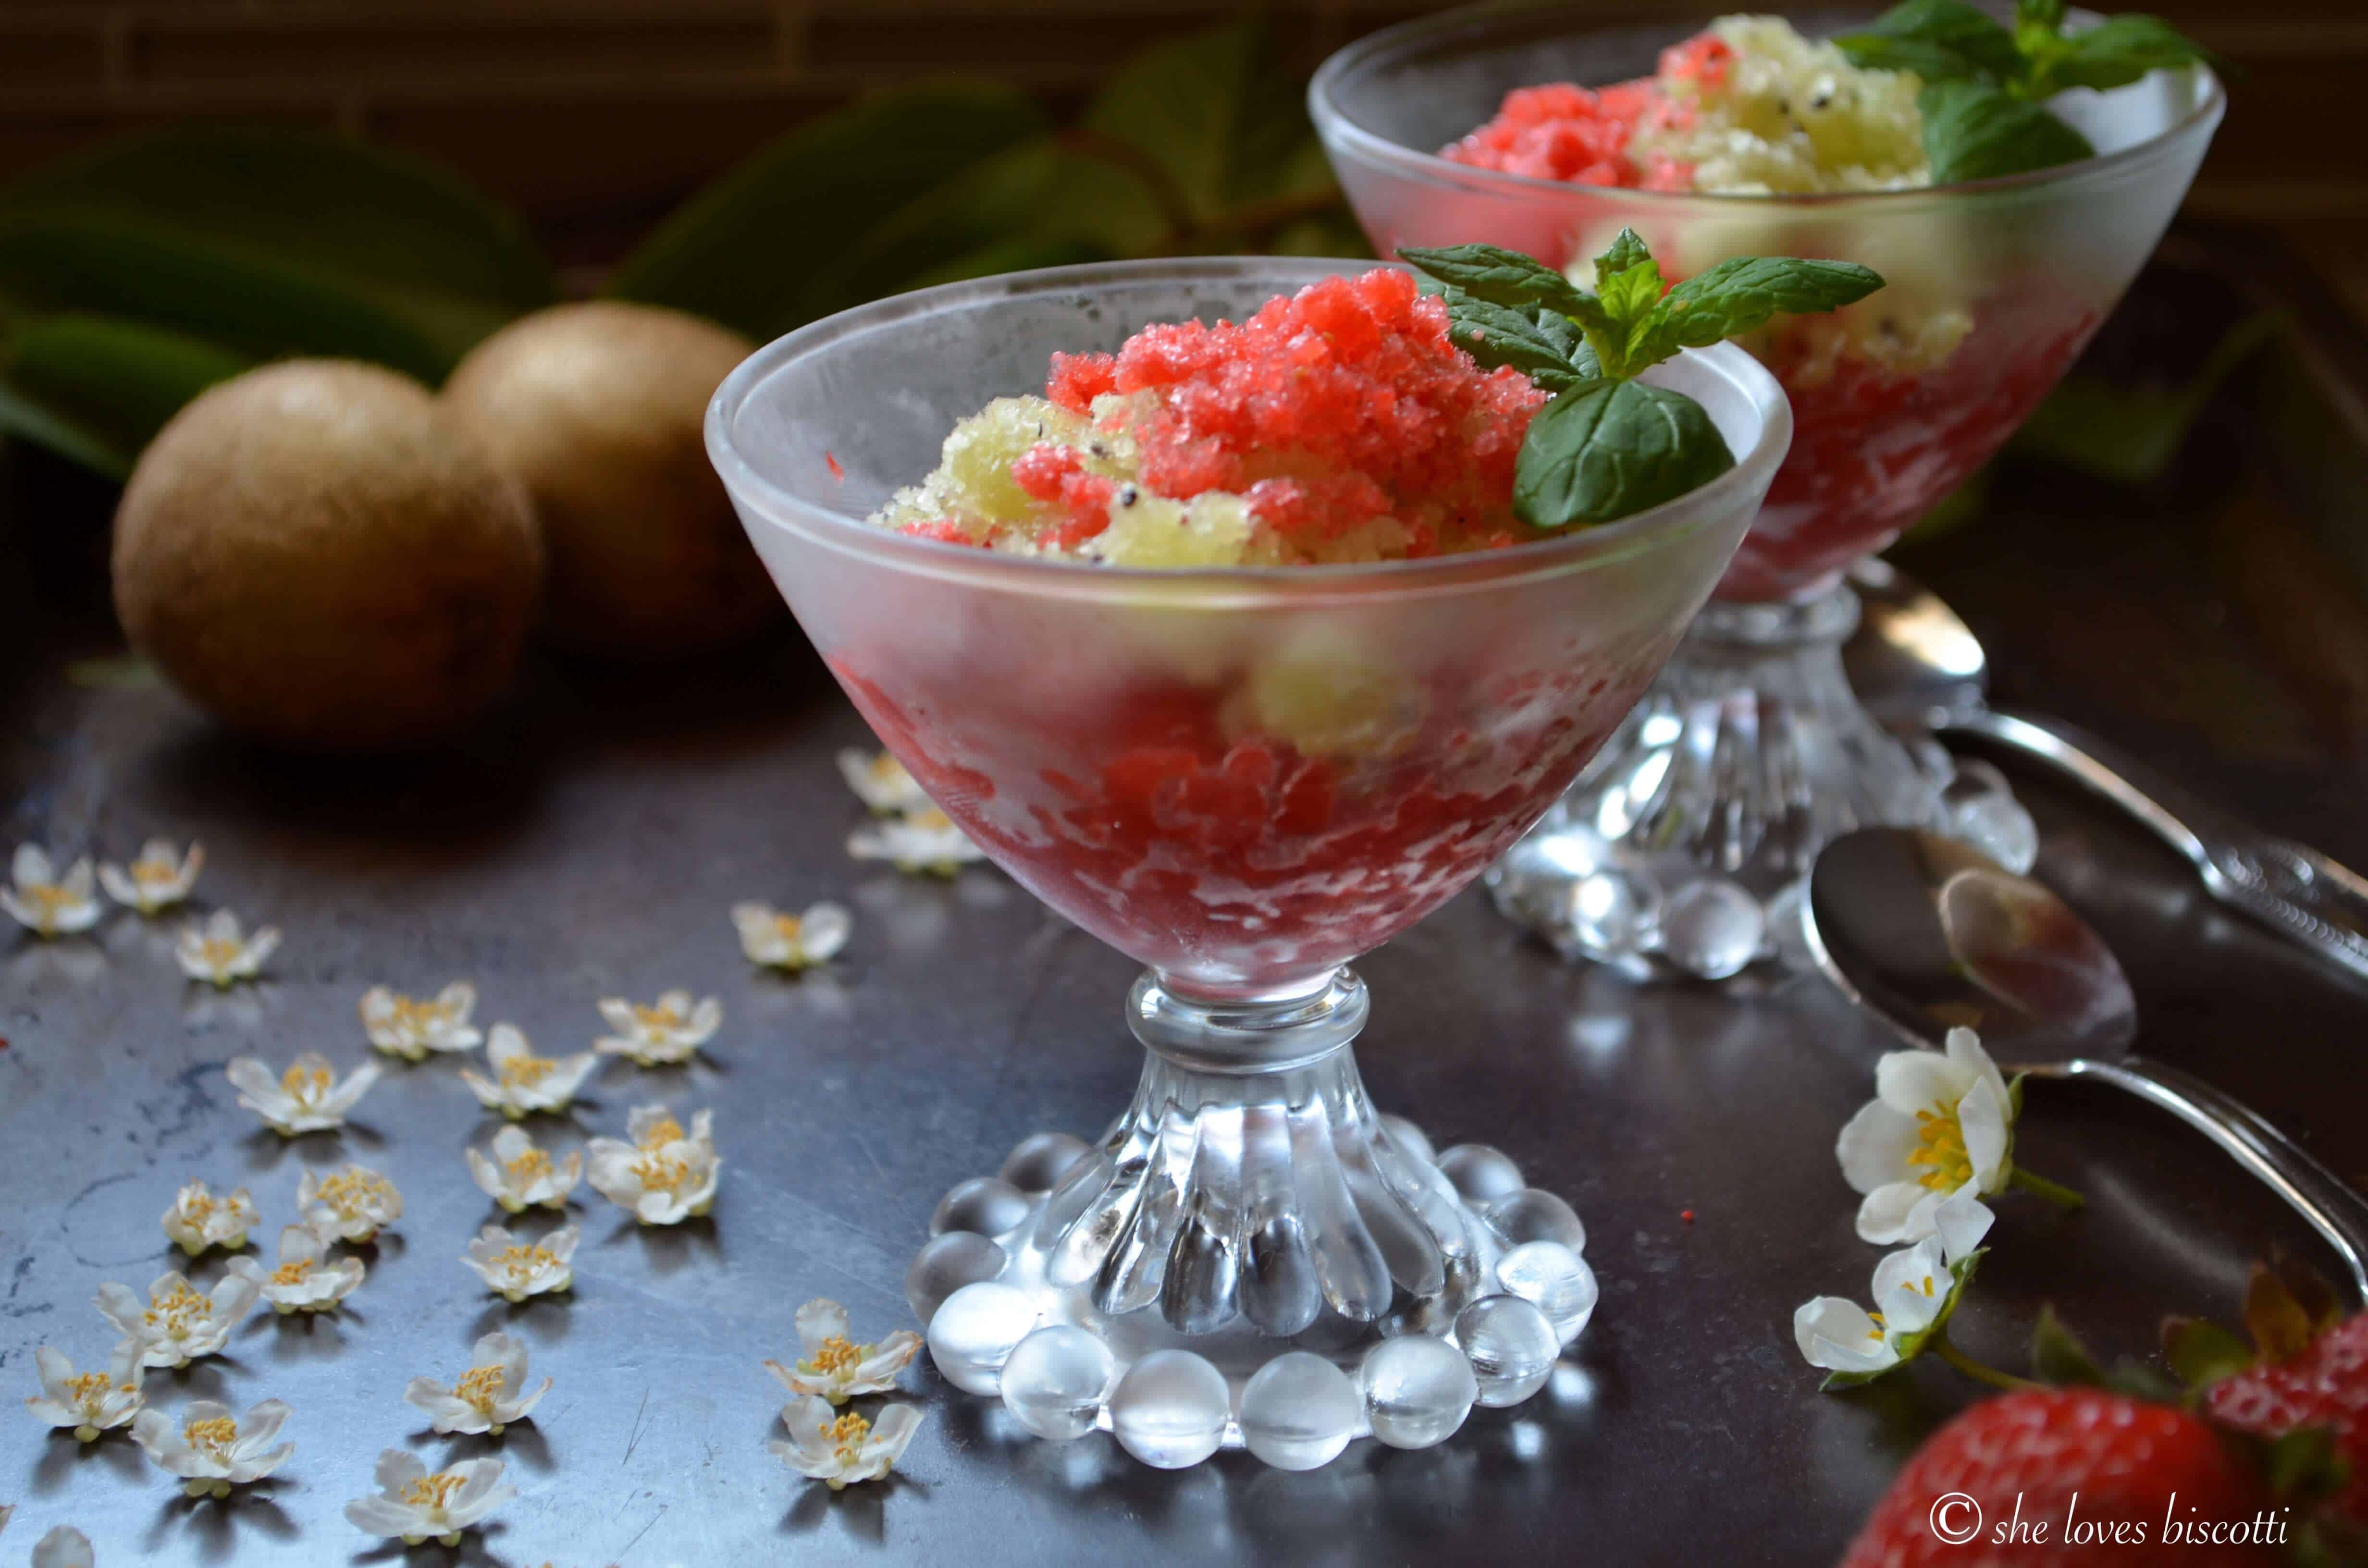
(2317, 1194)
(2311, 899)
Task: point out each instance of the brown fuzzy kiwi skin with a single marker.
(318, 555)
(598, 407)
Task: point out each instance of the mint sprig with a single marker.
(1985, 82)
(1606, 444)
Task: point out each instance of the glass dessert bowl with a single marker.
(1244, 777)
(1701, 816)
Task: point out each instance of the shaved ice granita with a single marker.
(2006, 178)
(1243, 610)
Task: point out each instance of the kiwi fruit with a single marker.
(597, 408)
(318, 554)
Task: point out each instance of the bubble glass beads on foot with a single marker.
(1512, 1347)
(1479, 1172)
(1556, 1281)
(1038, 1161)
(975, 1330)
(1711, 928)
(988, 1205)
(1299, 1411)
(946, 1264)
(1170, 1409)
(1418, 1391)
(1533, 1214)
(1055, 1379)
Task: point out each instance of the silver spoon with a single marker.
(1927, 934)
(1916, 664)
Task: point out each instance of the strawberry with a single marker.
(2309, 1370)
(2123, 1458)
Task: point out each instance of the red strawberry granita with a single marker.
(1337, 425)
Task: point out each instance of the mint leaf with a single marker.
(1975, 131)
(2115, 52)
(1740, 295)
(1628, 286)
(1538, 342)
(1627, 251)
(1938, 40)
(2048, 14)
(1500, 277)
(1605, 450)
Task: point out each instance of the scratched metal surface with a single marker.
(588, 843)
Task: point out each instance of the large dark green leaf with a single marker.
(1218, 115)
(93, 388)
(764, 248)
(1973, 131)
(1610, 449)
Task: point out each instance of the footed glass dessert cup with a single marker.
(1243, 778)
(1696, 823)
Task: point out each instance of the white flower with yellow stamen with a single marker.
(791, 941)
(923, 840)
(662, 1036)
(305, 1280)
(415, 1507)
(44, 902)
(199, 1220)
(839, 1450)
(160, 879)
(218, 953)
(880, 782)
(411, 1029)
(665, 1176)
(63, 1547)
(523, 1082)
(490, 1395)
(177, 1324)
(1915, 1290)
(835, 1367)
(514, 1269)
(351, 1205)
(212, 1450)
(520, 1176)
(308, 1097)
(90, 1402)
(1940, 1124)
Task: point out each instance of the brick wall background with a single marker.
(596, 116)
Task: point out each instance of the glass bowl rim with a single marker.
(1332, 122)
(1575, 549)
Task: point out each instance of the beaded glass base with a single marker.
(1682, 848)
(1252, 1256)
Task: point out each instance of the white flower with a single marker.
(527, 1083)
(923, 839)
(198, 1220)
(90, 1402)
(306, 1280)
(213, 1452)
(514, 1269)
(1916, 1289)
(791, 941)
(520, 1176)
(353, 1205)
(837, 1369)
(418, 1506)
(63, 1547)
(7, 1511)
(217, 954)
(160, 879)
(1938, 1126)
(662, 1036)
(836, 1449)
(400, 1027)
(45, 903)
(177, 1324)
(880, 782)
(664, 1175)
(308, 1097)
(490, 1395)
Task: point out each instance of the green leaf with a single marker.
(1216, 114)
(2048, 14)
(2130, 433)
(2200, 1353)
(1837, 1382)
(1739, 295)
(2115, 52)
(1975, 131)
(1607, 449)
(2281, 1326)
(78, 440)
(2058, 1357)
(1939, 40)
(1627, 251)
(2305, 1462)
(763, 249)
(1537, 342)
(1507, 277)
(124, 377)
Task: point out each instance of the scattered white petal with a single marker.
(489, 1396)
(176, 1324)
(514, 1269)
(839, 1450)
(306, 1278)
(524, 1083)
(660, 1036)
(351, 1205)
(791, 941)
(160, 879)
(63, 1547)
(411, 1029)
(44, 902)
(218, 953)
(308, 1097)
(415, 1507)
(835, 1367)
(665, 1174)
(519, 1175)
(1941, 1124)
(923, 840)
(1915, 1291)
(211, 1450)
(199, 1220)
(89, 1402)
(880, 781)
